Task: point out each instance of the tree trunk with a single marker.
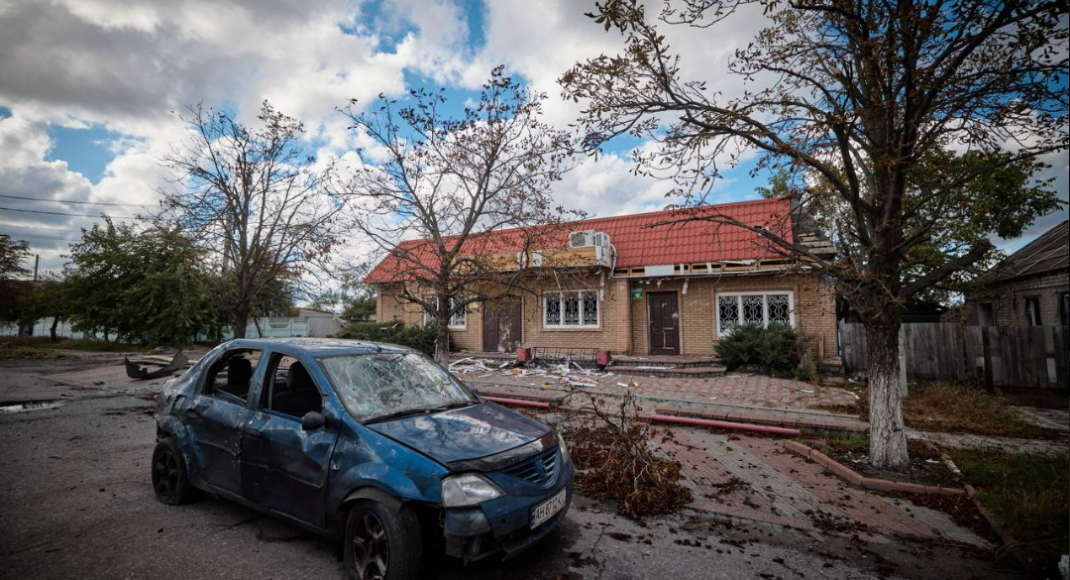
(442, 342)
(52, 331)
(259, 331)
(241, 321)
(887, 435)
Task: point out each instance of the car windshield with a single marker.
(377, 386)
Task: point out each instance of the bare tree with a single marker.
(859, 93)
(254, 197)
(457, 204)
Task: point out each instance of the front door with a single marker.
(214, 418)
(664, 323)
(285, 468)
(502, 326)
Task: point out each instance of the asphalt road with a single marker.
(76, 502)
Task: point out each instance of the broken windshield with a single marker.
(380, 385)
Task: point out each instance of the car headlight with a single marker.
(561, 442)
(468, 490)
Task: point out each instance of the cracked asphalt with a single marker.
(75, 501)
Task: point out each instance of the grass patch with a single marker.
(1028, 495)
(44, 342)
(951, 408)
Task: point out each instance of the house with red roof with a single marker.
(638, 285)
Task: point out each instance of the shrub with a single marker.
(421, 338)
(773, 349)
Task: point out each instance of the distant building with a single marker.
(1030, 288)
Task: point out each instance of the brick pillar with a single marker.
(622, 314)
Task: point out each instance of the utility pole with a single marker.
(36, 263)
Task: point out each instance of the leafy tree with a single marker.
(147, 285)
(253, 199)
(12, 255)
(438, 186)
(861, 93)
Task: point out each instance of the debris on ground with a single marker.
(139, 369)
(566, 374)
(616, 460)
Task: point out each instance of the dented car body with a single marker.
(373, 444)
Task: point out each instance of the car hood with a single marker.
(462, 434)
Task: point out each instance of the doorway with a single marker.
(502, 324)
(664, 323)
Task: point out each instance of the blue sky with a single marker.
(90, 88)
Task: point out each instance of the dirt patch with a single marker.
(926, 466)
(951, 408)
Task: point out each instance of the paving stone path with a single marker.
(756, 479)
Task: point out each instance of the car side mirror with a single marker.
(313, 421)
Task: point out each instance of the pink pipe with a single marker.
(520, 402)
(726, 425)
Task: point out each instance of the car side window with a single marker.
(231, 376)
(290, 390)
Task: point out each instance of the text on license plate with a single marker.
(548, 508)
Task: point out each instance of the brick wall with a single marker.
(623, 321)
(1008, 300)
(815, 310)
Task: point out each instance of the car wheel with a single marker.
(169, 474)
(381, 544)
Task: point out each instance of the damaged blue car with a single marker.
(373, 444)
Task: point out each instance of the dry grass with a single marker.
(950, 408)
(1028, 496)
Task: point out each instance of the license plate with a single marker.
(548, 508)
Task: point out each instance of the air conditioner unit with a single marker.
(588, 238)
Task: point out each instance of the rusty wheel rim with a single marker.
(370, 547)
(165, 474)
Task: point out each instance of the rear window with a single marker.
(375, 385)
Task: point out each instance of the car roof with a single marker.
(321, 346)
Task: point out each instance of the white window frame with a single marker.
(455, 322)
(765, 306)
(581, 325)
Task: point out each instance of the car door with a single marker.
(285, 468)
(216, 414)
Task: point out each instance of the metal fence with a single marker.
(994, 356)
(267, 327)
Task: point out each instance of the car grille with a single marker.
(539, 470)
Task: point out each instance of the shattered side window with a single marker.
(376, 385)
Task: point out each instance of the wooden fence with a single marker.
(995, 356)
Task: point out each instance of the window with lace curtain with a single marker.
(761, 308)
(578, 309)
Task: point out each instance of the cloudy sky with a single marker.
(88, 89)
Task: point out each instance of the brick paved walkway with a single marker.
(756, 479)
(756, 391)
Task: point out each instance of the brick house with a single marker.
(1030, 288)
(640, 290)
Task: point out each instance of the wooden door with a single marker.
(664, 323)
(502, 325)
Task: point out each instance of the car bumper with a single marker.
(503, 525)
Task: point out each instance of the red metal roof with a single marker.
(637, 243)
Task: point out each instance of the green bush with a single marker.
(421, 338)
(774, 349)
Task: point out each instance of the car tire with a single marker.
(380, 543)
(169, 481)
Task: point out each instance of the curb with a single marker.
(1009, 543)
(776, 418)
(847, 474)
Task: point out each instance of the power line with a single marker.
(72, 201)
(34, 227)
(19, 237)
(118, 217)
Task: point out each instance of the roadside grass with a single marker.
(44, 342)
(1027, 495)
(951, 408)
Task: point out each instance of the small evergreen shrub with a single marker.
(773, 349)
(421, 338)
